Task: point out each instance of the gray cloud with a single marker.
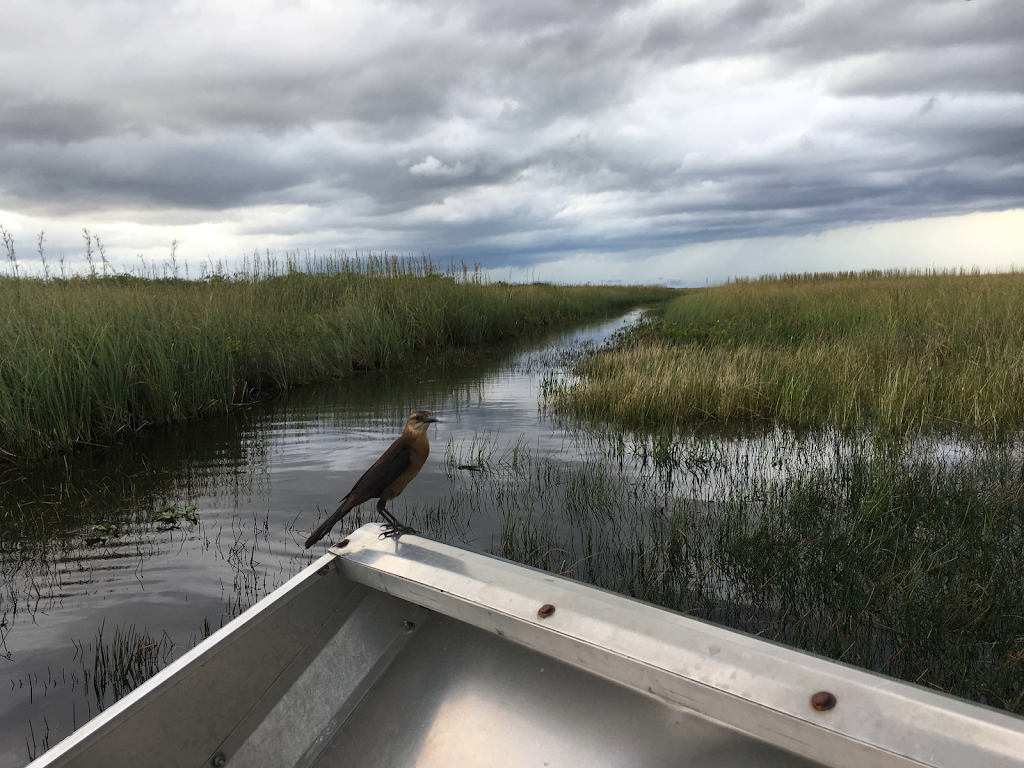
(46, 122)
(502, 131)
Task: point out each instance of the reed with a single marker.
(91, 359)
(895, 555)
(125, 663)
(900, 351)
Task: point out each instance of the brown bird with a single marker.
(387, 478)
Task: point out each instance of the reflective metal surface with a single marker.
(758, 687)
(460, 697)
(415, 653)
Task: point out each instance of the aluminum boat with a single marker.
(408, 652)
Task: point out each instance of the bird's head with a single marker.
(419, 422)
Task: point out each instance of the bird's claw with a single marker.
(389, 531)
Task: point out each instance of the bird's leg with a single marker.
(392, 527)
(395, 529)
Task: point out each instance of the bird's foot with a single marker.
(391, 530)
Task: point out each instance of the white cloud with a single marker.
(434, 167)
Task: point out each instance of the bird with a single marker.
(387, 478)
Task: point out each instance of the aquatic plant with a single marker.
(902, 557)
(127, 661)
(168, 516)
(91, 359)
(898, 351)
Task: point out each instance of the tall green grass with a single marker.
(89, 359)
(895, 555)
(897, 350)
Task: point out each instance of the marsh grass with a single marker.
(901, 557)
(91, 359)
(898, 351)
(128, 660)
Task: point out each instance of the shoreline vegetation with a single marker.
(899, 557)
(899, 352)
(91, 359)
(846, 459)
(902, 557)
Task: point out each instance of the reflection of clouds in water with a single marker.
(258, 476)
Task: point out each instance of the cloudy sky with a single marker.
(682, 142)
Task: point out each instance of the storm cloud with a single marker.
(510, 133)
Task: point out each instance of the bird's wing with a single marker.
(371, 485)
(383, 473)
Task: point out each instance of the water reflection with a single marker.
(80, 548)
(902, 557)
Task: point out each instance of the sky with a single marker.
(676, 142)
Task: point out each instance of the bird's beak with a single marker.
(430, 420)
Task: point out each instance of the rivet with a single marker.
(220, 759)
(408, 626)
(546, 610)
(823, 701)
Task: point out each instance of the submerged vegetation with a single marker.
(898, 351)
(89, 359)
(898, 556)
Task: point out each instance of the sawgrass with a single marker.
(88, 360)
(899, 351)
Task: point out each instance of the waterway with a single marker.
(84, 562)
(897, 554)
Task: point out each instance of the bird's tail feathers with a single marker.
(325, 527)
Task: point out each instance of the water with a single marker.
(81, 552)
(901, 557)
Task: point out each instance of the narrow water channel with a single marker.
(87, 568)
(897, 554)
